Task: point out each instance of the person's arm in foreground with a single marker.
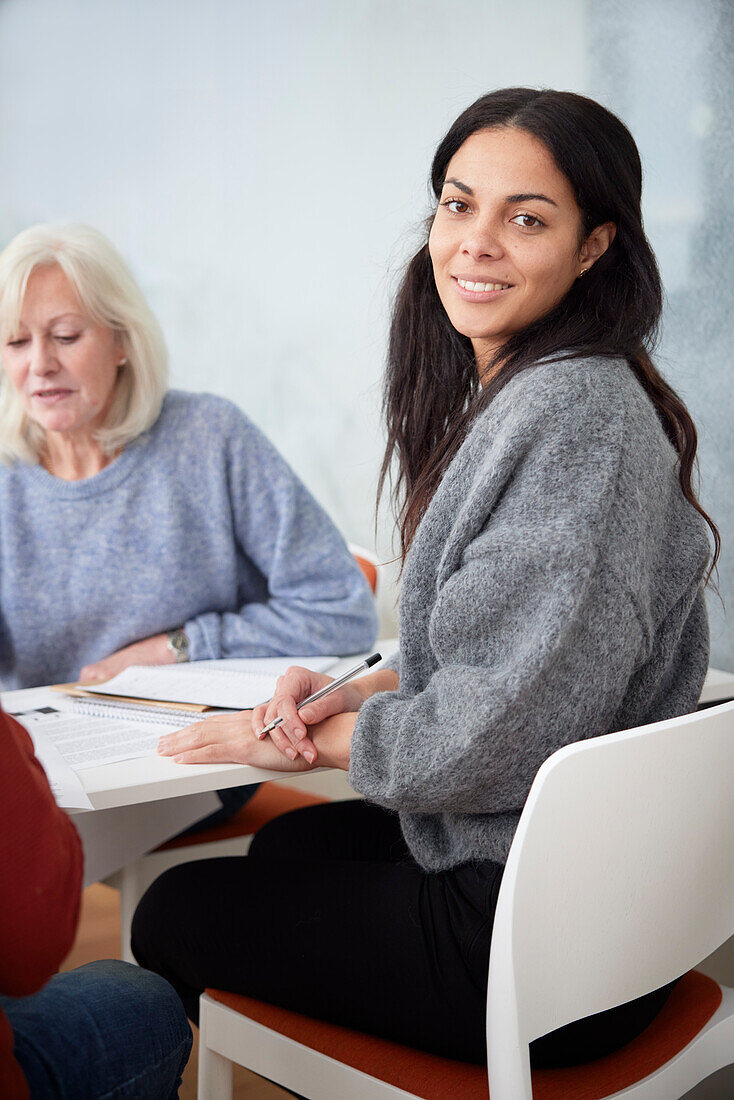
(40, 885)
(40, 869)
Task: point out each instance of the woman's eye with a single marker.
(17, 343)
(527, 221)
(456, 206)
(63, 339)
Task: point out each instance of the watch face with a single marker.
(179, 643)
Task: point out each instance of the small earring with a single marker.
(122, 363)
(582, 272)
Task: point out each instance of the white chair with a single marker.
(620, 879)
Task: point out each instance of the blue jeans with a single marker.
(106, 1031)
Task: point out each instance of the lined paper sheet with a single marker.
(237, 685)
(84, 741)
(65, 784)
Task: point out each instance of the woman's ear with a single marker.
(596, 244)
(119, 347)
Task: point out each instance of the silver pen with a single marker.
(368, 663)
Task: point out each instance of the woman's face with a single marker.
(63, 365)
(505, 241)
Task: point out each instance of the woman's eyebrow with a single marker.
(461, 186)
(66, 317)
(528, 196)
(524, 196)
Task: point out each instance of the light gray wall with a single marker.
(667, 67)
(263, 168)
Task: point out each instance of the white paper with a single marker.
(207, 682)
(83, 742)
(24, 699)
(65, 784)
(268, 666)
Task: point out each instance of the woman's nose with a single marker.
(482, 241)
(42, 359)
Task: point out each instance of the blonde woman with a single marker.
(140, 525)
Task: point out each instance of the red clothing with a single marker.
(40, 885)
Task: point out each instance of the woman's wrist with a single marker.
(332, 739)
(382, 680)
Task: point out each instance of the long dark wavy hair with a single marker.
(432, 391)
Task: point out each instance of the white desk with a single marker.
(718, 687)
(140, 803)
(151, 778)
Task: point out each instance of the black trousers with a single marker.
(232, 800)
(329, 915)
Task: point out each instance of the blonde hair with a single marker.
(110, 296)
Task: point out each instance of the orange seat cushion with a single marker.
(370, 571)
(691, 1004)
(271, 800)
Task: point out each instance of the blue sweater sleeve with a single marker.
(317, 599)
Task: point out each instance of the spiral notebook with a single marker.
(86, 734)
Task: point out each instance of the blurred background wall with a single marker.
(263, 168)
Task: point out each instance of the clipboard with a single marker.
(79, 693)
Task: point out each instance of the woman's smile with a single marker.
(475, 290)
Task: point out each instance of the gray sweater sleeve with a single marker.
(392, 662)
(533, 640)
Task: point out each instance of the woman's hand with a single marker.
(226, 738)
(151, 651)
(291, 736)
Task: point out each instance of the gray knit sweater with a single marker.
(552, 593)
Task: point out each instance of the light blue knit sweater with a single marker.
(200, 523)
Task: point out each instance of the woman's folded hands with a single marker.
(320, 732)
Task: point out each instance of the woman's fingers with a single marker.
(192, 737)
(226, 739)
(290, 736)
(150, 651)
(228, 731)
(258, 717)
(219, 753)
(297, 684)
(283, 743)
(291, 725)
(335, 703)
(92, 674)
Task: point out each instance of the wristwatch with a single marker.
(178, 644)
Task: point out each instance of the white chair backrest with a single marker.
(620, 878)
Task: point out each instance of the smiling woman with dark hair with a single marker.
(555, 557)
